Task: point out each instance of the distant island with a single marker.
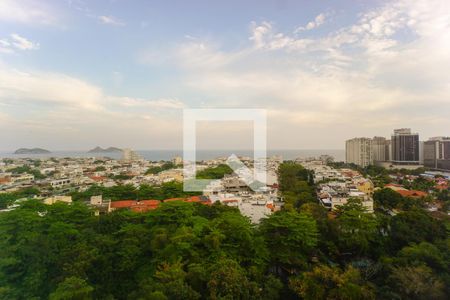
(31, 151)
(106, 150)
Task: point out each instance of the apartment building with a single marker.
(405, 147)
(359, 151)
(436, 153)
(379, 145)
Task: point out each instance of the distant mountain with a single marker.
(106, 150)
(31, 151)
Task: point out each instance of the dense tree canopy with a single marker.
(325, 282)
(214, 172)
(27, 169)
(8, 198)
(296, 184)
(179, 251)
(157, 169)
(167, 190)
(194, 251)
(387, 198)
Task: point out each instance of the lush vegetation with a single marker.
(214, 172)
(8, 198)
(27, 169)
(373, 170)
(296, 184)
(167, 190)
(388, 199)
(420, 184)
(364, 254)
(121, 177)
(380, 175)
(444, 196)
(100, 169)
(194, 251)
(157, 169)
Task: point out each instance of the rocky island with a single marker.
(105, 150)
(31, 151)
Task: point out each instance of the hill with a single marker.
(31, 151)
(104, 150)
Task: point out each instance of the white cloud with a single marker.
(31, 88)
(110, 20)
(388, 69)
(264, 36)
(259, 33)
(4, 43)
(16, 42)
(318, 21)
(22, 43)
(27, 11)
(5, 46)
(204, 55)
(44, 108)
(151, 104)
(60, 90)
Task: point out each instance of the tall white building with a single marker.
(130, 155)
(359, 151)
(436, 153)
(379, 145)
(177, 160)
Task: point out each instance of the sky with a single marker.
(76, 74)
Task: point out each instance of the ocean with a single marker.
(157, 155)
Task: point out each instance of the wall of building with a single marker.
(405, 146)
(359, 151)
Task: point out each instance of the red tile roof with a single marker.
(97, 178)
(150, 202)
(123, 203)
(5, 180)
(145, 205)
(137, 206)
(207, 202)
(193, 199)
(412, 193)
(174, 199)
(393, 184)
(441, 187)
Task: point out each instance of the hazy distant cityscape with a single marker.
(156, 155)
(403, 150)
